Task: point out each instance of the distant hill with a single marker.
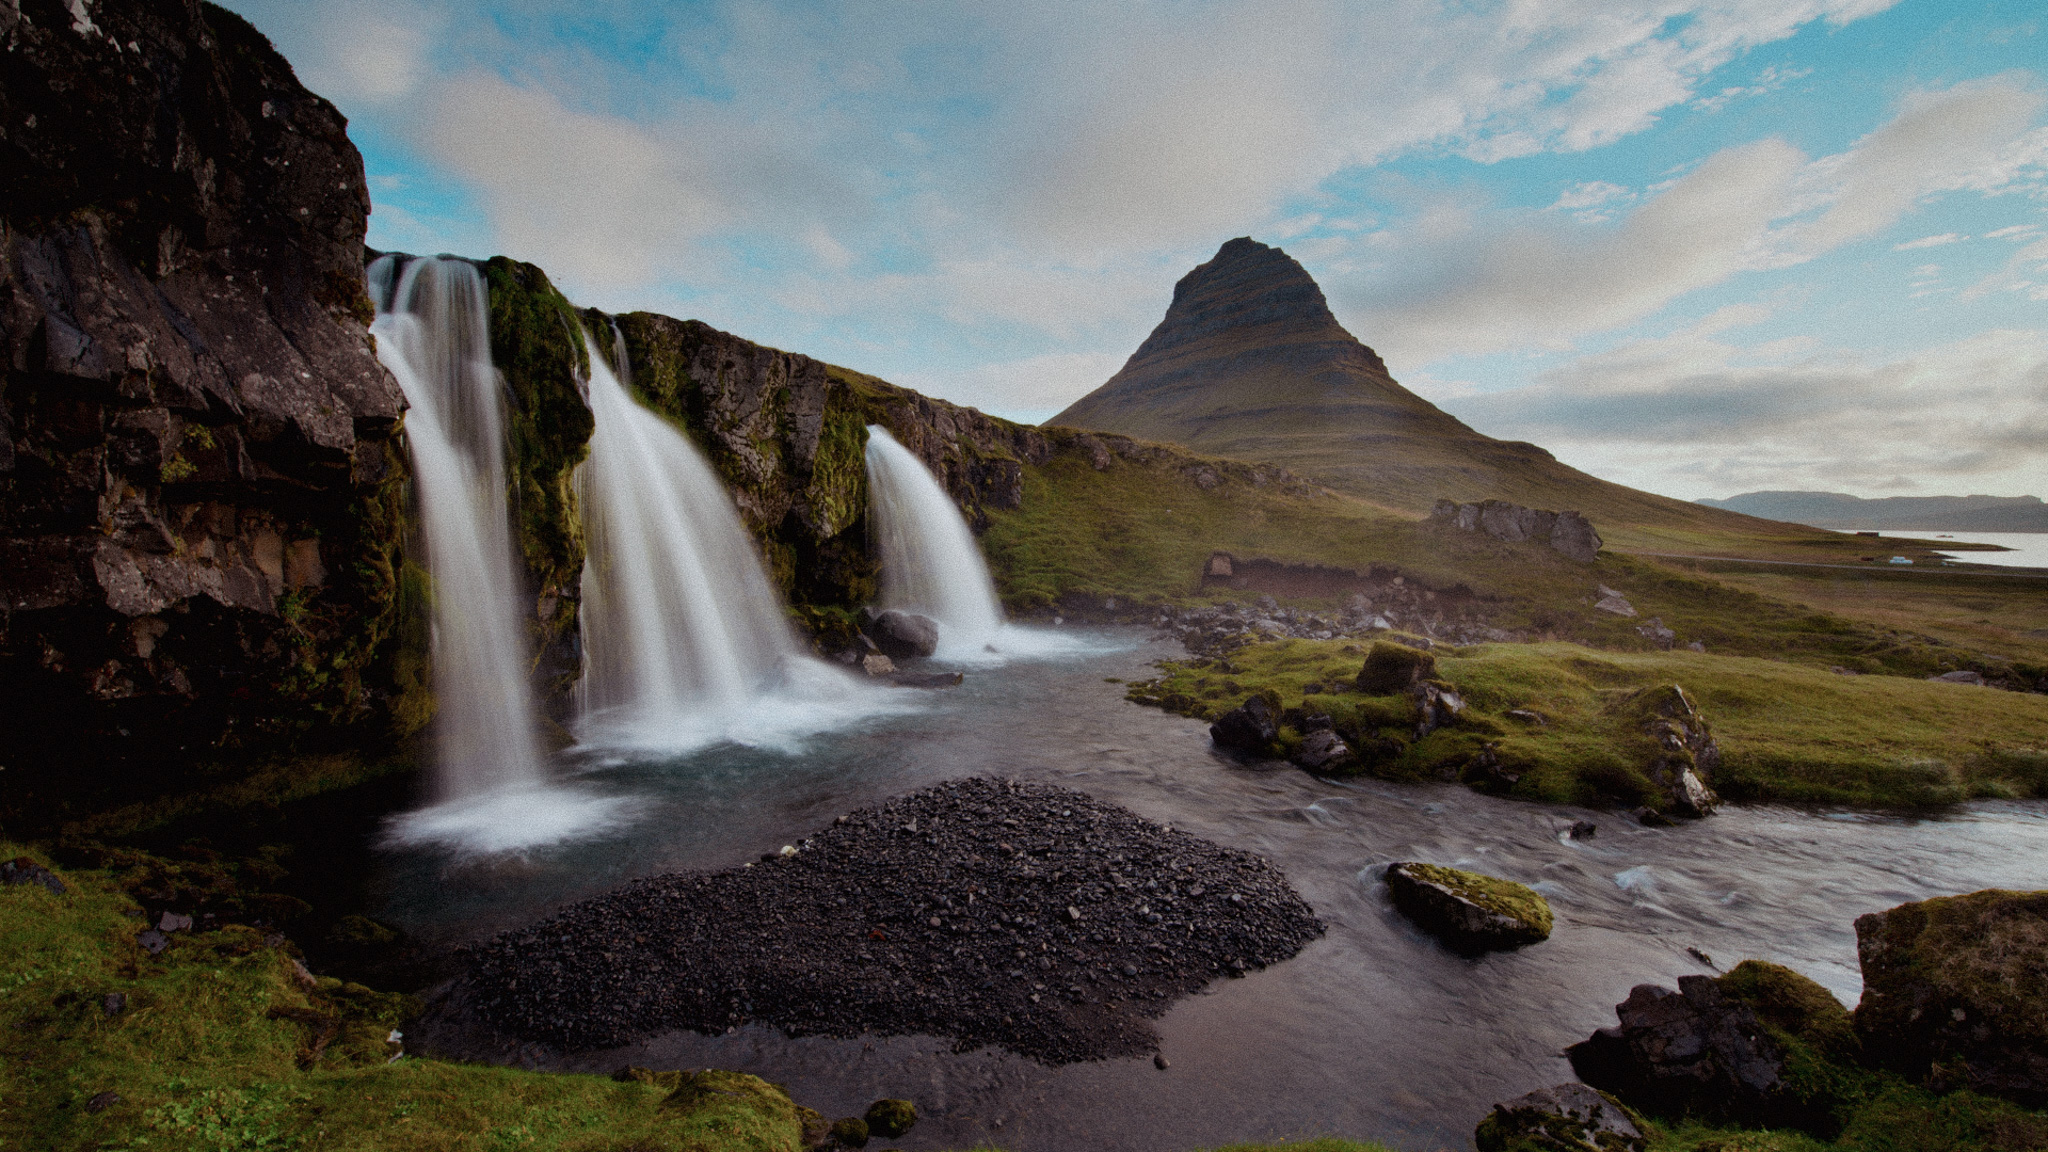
(1898, 513)
(1250, 363)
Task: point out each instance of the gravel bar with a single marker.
(988, 911)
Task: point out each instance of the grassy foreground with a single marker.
(223, 1044)
(1787, 732)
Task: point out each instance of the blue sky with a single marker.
(1698, 247)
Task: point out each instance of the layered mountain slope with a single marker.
(1250, 363)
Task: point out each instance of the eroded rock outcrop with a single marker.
(1686, 755)
(199, 488)
(1468, 911)
(1563, 1118)
(1568, 532)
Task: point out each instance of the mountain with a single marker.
(1898, 513)
(1250, 363)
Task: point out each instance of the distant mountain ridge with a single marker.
(1839, 510)
(1250, 363)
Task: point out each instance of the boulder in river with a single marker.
(1761, 1046)
(1322, 750)
(1390, 668)
(1251, 728)
(1955, 991)
(901, 635)
(1570, 1117)
(1469, 912)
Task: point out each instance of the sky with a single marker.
(1700, 247)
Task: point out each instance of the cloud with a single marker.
(1037, 384)
(1695, 416)
(1526, 279)
(1930, 241)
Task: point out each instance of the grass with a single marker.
(1787, 732)
(221, 1047)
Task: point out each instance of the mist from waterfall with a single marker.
(932, 565)
(432, 332)
(685, 641)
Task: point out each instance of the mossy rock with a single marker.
(1470, 912)
(1566, 1118)
(889, 1119)
(1795, 1005)
(1391, 667)
(850, 1132)
(1955, 990)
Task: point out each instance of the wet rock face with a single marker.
(1565, 1118)
(1250, 728)
(990, 911)
(1955, 990)
(1469, 912)
(1568, 532)
(198, 483)
(901, 635)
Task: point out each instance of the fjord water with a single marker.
(1373, 1031)
(931, 563)
(685, 642)
(432, 331)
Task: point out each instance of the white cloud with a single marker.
(1930, 241)
(1695, 416)
(1530, 279)
(1035, 384)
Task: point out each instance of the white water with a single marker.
(931, 564)
(432, 332)
(685, 643)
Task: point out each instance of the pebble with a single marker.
(875, 927)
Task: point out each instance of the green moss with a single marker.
(537, 344)
(222, 1046)
(1786, 733)
(1491, 893)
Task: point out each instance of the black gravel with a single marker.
(988, 911)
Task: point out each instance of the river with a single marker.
(1373, 1032)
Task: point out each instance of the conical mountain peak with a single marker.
(1247, 292)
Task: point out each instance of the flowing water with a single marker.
(684, 638)
(932, 565)
(1371, 1032)
(432, 332)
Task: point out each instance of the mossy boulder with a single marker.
(1470, 912)
(1565, 1118)
(1955, 991)
(1683, 755)
(1391, 667)
(1761, 1046)
(850, 1132)
(891, 1118)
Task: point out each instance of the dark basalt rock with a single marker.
(992, 912)
(900, 635)
(1471, 913)
(1566, 1118)
(1686, 755)
(22, 870)
(889, 1119)
(1955, 991)
(199, 491)
(1705, 1051)
(1394, 667)
(1250, 729)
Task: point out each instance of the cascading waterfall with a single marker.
(931, 563)
(685, 642)
(432, 332)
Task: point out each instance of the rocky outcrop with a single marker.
(1685, 756)
(1955, 991)
(1565, 1118)
(1568, 532)
(1250, 728)
(199, 490)
(901, 635)
(1756, 1047)
(1471, 913)
(1392, 667)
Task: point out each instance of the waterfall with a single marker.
(931, 564)
(432, 331)
(684, 639)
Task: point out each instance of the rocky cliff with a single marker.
(200, 493)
